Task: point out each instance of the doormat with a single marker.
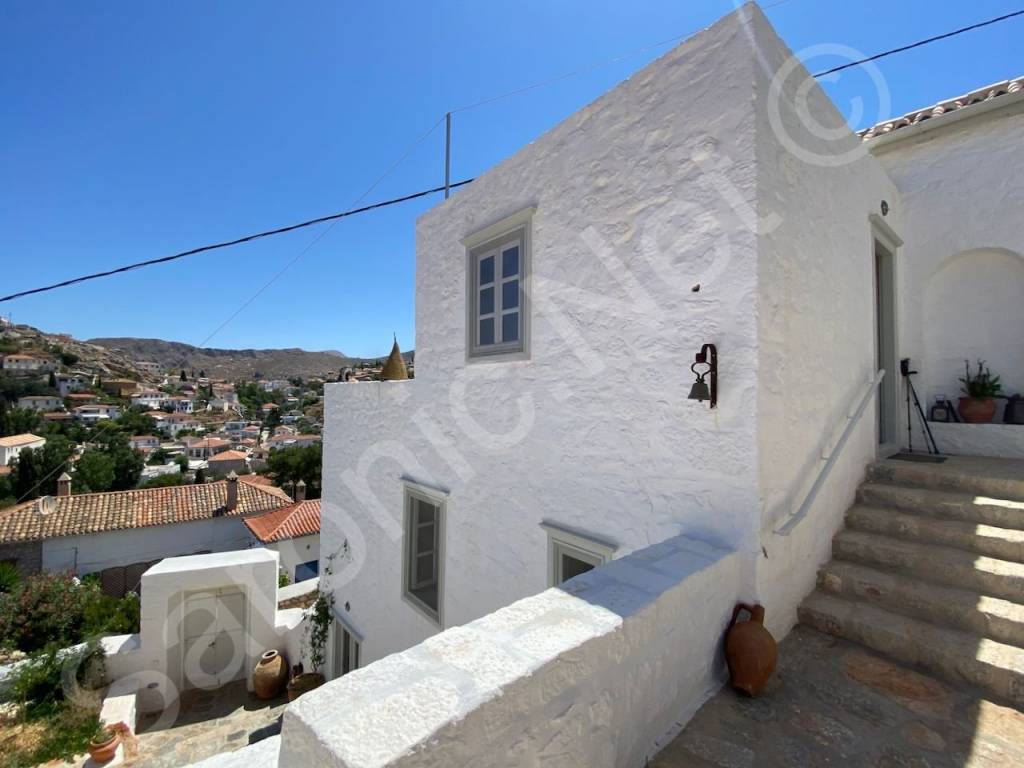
(926, 458)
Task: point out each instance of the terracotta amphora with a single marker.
(750, 651)
(270, 675)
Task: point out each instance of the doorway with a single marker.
(886, 356)
(213, 639)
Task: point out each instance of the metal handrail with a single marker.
(851, 421)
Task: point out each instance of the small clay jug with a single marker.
(750, 651)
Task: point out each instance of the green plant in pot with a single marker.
(103, 745)
(314, 639)
(978, 406)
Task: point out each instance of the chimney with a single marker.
(300, 491)
(232, 501)
(64, 484)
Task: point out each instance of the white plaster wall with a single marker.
(961, 268)
(995, 439)
(603, 670)
(817, 187)
(295, 551)
(94, 552)
(594, 430)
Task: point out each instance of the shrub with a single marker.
(106, 615)
(9, 577)
(44, 609)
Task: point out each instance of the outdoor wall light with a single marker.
(701, 390)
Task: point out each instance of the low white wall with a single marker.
(604, 668)
(294, 552)
(1006, 440)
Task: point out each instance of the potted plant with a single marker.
(103, 745)
(980, 390)
(318, 624)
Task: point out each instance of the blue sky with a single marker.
(134, 130)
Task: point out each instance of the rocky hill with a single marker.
(232, 364)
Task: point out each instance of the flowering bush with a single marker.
(58, 609)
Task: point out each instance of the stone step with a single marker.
(994, 667)
(968, 507)
(972, 612)
(991, 477)
(1002, 543)
(943, 565)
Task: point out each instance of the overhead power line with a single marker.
(228, 243)
(919, 43)
(335, 217)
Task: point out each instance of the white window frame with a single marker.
(575, 544)
(493, 241)
(355, 641)
(439, 499)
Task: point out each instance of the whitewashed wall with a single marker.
(961, 274)
(603, 669)
(594, 431)
(818, 188)
(94, 552)
(294, 552)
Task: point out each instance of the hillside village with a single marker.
(81, 421)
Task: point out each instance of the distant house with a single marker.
(120, 534)
(28, 363)
(183, 404)
(206, 447)
(252, 431)
(59, 416)
(81, 398)
(173, 423)
(149, 366)
(292, 441)
(13, 445)
(293, 532)
(119, 387)
(144, 443)
(222, 463)
(152, 399)
(71, 382)
(94, 412)
(275, 384)
(235, 426)
(41, 403)
(268, 407)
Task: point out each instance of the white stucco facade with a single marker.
(961, 268)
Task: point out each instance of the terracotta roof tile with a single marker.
(16, 440)
(55, 516)
(228, 456)
(301, 519)
(946, 107)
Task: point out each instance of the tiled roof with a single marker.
(228, 456)
(257, 480)
(301, 519)
(16, 440)
(54, 516)
(966, 101)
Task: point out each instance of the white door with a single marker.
(214, 638)
(886, 356)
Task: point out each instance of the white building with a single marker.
(13, 445)
(144, 442)
(28, 363)
(72, 382)
(151, 399)
(94, 412)
(41, 403)
(173, 423)
(294, 533)
(555, 432)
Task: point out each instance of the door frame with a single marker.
(888, 422)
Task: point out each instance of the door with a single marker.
(885, 347)
(214, 638)
(346, 650)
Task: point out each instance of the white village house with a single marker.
(532, 557)
(13, 445)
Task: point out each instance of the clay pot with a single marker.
(750, 651)
(104, 753)
(307, 681)
(977, 410)
(270, 675)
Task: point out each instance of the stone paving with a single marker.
(210, 722)
(833, 703)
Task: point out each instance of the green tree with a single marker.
(94, 471)
(135, 421)
(128, 463)
(35, 471)
(183, 377)
(52, 380)
(17, 421)
(163, 481)
(289, 465)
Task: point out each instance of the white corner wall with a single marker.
(637, 198)
(604, 669)
(817, 190)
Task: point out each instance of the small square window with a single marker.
(571, 553)
(497, 306)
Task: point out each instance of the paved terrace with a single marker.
(833, 703)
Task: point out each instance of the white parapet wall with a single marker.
(605, 668)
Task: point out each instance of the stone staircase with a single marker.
(930, 571)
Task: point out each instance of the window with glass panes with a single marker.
(423, 521)
(497, 317)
